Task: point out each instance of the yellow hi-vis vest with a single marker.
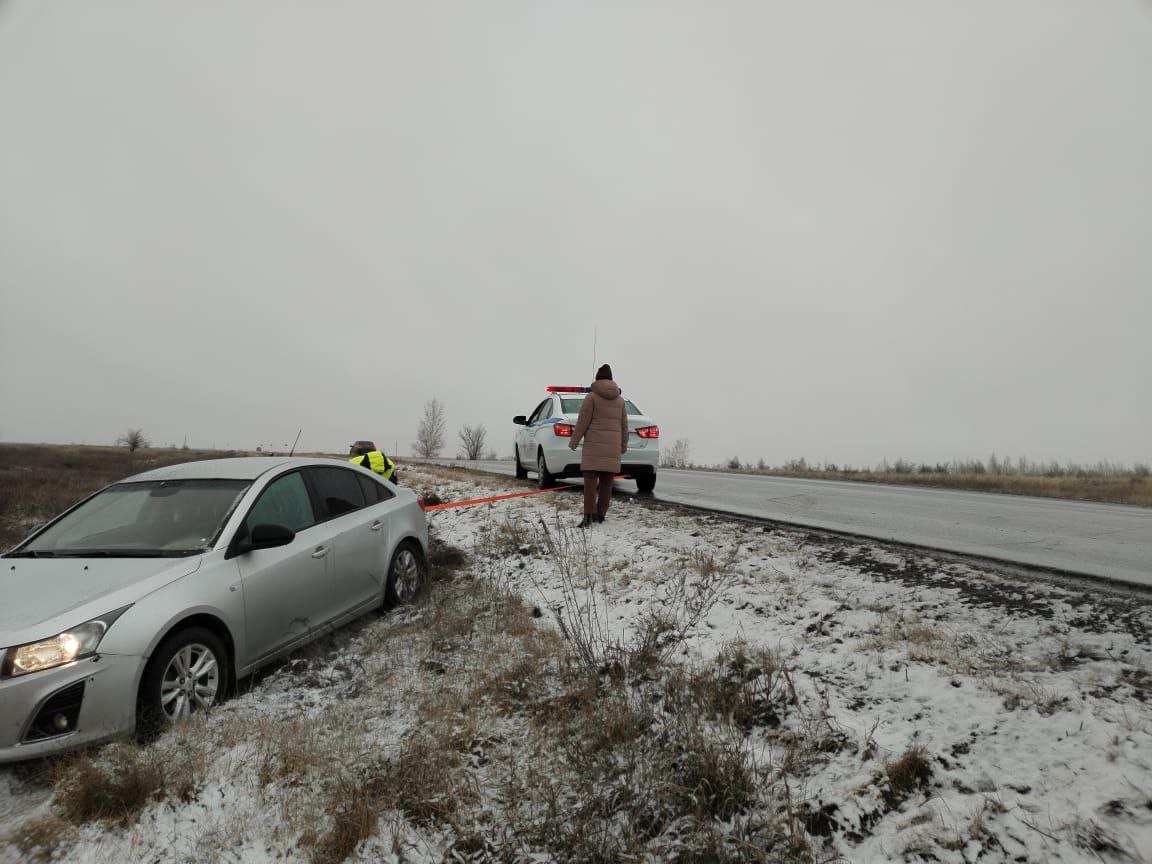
(376, 461)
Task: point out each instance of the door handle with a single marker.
(375, 526)
(320, 552)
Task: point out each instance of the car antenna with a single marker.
(294, 443)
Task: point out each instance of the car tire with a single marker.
(407, 575)
(646, 482)
(521, 471)
(188, 673)
(545, 479)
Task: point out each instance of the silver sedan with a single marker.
(146, 601)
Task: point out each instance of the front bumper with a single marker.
(107, 710)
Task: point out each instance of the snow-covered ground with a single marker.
(1027, 703)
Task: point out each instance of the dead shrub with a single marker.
(1022, 695)
(452, 623)
(424, 782)
(124, 779)
(907, 774)
(353, 809)
(921, 635)
(615, 722)
(656, 633)
(694, 585)
(443, 557)
(742, 688)
(582, 616)
(39, 839)
(289, 749)
(713, 774)
(524, 674)
(505, 538)
(507, 614)
(576, 692)
(745, 841)
(1089, 835)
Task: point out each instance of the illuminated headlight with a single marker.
(74, 644)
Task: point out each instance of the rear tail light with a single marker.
(562, 430)
(648, 431)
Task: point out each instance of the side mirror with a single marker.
(520, 420)
(263, 536)
(269, 536)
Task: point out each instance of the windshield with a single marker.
(572, 406)
(162, 518)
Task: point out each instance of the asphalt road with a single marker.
(1109, 541)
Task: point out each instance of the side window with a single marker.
(284, 502)
(374, 492)
(542, 412)
(339, 490)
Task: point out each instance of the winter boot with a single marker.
(586, 521)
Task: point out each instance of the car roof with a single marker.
(236, 468)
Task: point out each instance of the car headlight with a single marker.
(73, 644)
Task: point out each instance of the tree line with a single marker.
(430, 435)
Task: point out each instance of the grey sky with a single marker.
(838, 230)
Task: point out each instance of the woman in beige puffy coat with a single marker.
(603, 426)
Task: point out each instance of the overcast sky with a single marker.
(839, 230)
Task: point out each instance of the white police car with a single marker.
(542, 440)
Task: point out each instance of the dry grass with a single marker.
(1022, 695)
(910, 772)
(584, 768)
(900, 630)
(741, 688)
(513, 749)
(1132, 489)
(506, 537)
(114, 785)
(39, 839)
(353, 810)
(290, 748)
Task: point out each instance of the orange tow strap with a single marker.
(491, 498)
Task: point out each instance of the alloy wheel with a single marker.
(406, 575)
(191, 681)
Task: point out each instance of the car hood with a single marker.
(42, 597)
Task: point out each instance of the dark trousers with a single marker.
(597, 492)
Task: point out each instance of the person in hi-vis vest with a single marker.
(375, 460)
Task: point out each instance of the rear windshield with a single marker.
(161, 518)
(572, 406)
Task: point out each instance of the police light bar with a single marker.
(568, 389)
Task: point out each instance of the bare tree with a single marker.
(133, 439)
(472, 440)
(430, 435)
(679, 456)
